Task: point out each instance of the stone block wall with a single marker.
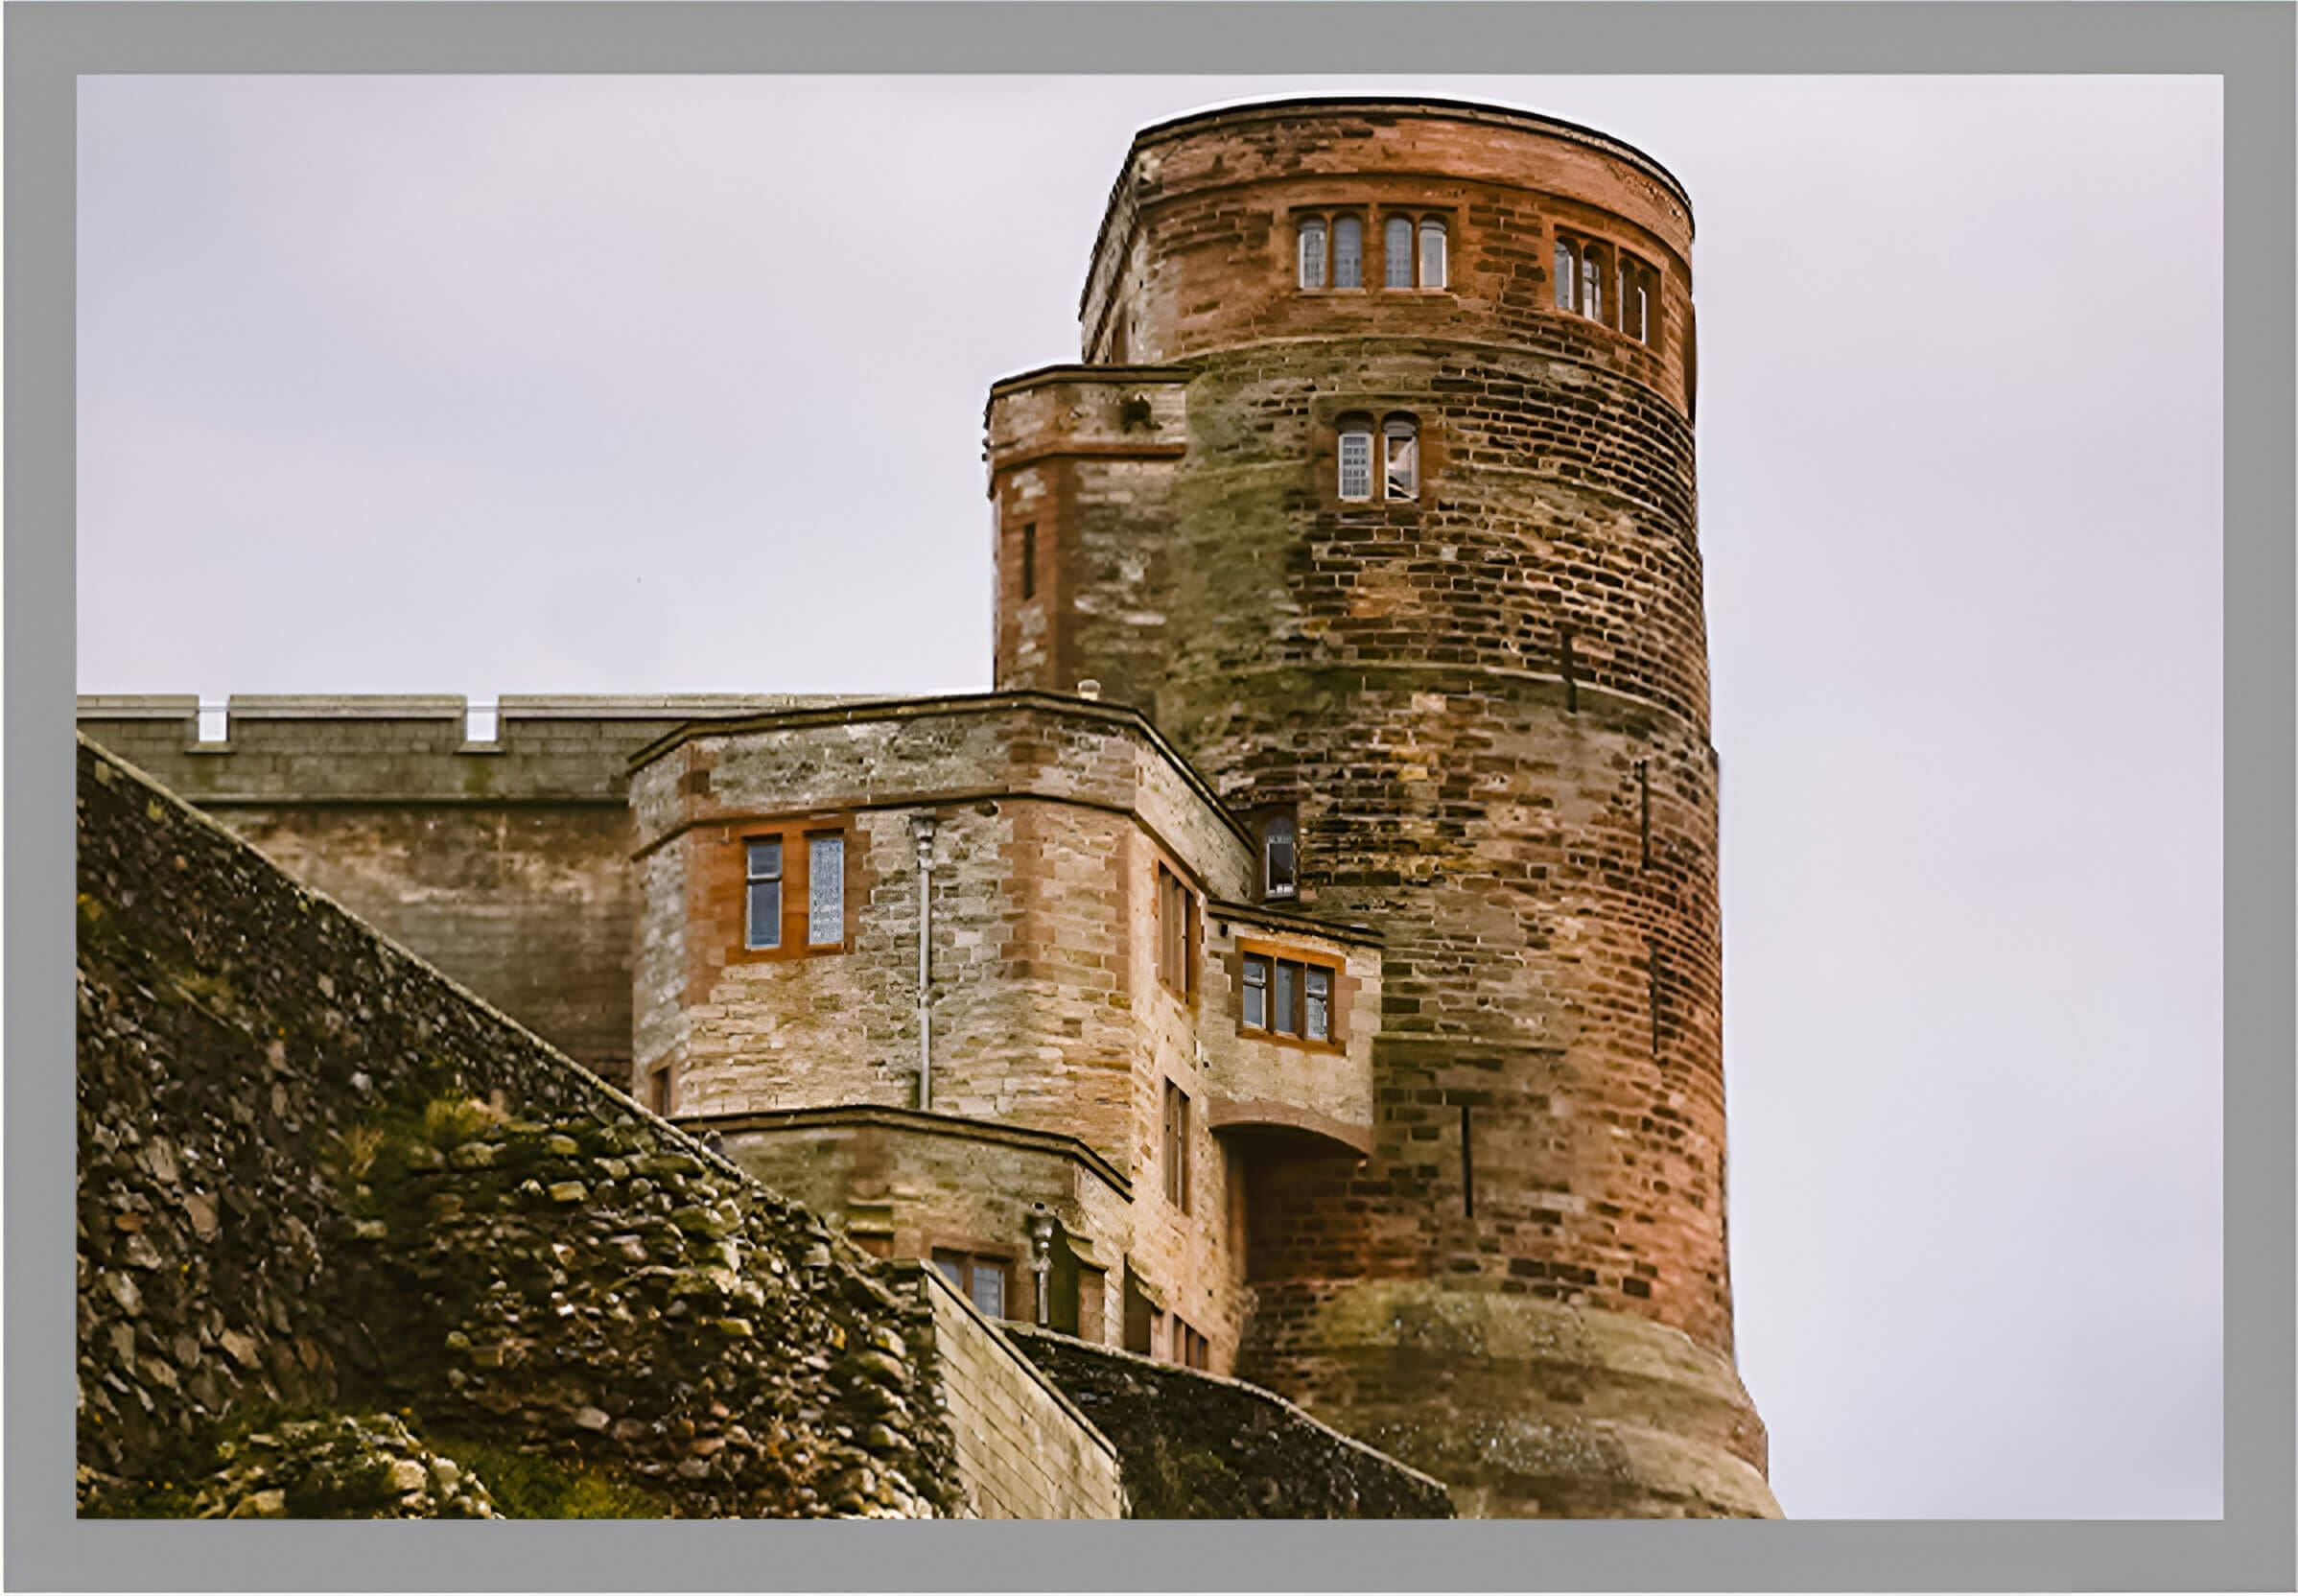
(1195, 1446)
(316, 1175)
(1024, 1451)
(1051, 820)
(504, 862)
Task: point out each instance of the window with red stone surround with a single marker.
(797, 890)
(1288, 996)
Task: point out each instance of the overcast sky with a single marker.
(488, 385)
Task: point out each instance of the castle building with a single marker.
(1305, 964)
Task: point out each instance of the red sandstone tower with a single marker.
(1376, 493)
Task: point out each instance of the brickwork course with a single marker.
(1474, 1213)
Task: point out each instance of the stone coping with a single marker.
(1435, 107)
(1245, 1388)
(918, 1121)
(1014, 700)
(1299, 921)
(929, 1282)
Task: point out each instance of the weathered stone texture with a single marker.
(268, 1212)
(1196, 1446)
(1488, 703)
(1024, 1451)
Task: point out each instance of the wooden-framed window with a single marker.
(983, 1278)
(1289, 998)
(1189, 1347)
(794, 896)
(1177, 1147)
(1178, 933)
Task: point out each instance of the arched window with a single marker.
(1592, 284)
(1433, 262)
(1396, 252)
(1348, 253)
(1402, 436)
(1356, 457)
(1277, 873)
(1312, 253)
(1565, 297)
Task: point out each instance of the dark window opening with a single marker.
(1278, 835)
(1029, 562)
(983, 1279)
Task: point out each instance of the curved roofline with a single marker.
(1409, 104)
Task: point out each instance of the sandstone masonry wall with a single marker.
(315, 1174)
(504, 862)
(1024, 1451)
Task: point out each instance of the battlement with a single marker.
(390, 748)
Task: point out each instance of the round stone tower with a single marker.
(1376, 492)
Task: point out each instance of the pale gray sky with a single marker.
(574, 385)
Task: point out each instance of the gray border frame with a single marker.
(2250, 45)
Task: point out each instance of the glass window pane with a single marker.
(765, 860)
(1312, 254)
(1403, 468)
(824, 890)
(1432, 254)
(1356, 465)
(1347, 254)
(1396, 252)
(1256, 992)
(1591, 287)
(1643, 316)
(953, 1266)
(1319, 1002)
(765, 914)
(989, 1288)
(1563, 276)
(1282, 1000)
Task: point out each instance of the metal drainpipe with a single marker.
(925, 826)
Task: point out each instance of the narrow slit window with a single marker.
(1396, 252)
(1565, 293)
(1317, 989)
(1348, 253)
(1434, 263)
(1312, 253)
(1356, 462)
(1029, 561)
(1256, 992)
(658, 1091)
(1277, 839)
(1403, 473)
(825, 891)
(1643, 316)
(764, 894)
